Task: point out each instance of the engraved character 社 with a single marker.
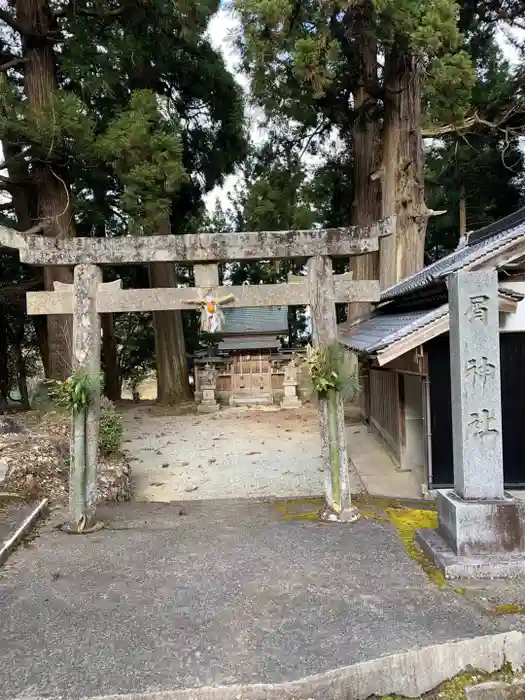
(483, 423)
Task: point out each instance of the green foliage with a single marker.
(74, 394)
(330, 368)
(483, 166)
(449, 75)
(146, 152)
(304, 59)
(136, 376)
(111, 429)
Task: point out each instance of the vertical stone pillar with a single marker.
(290, 398)
(476, 384)
(481, 529)
(86, 360)
(208, 384)
(333, 438)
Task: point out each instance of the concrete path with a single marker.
(377, 470)
(212, 593)
(236, 453)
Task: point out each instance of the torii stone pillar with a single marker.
(324, 333)
(86, 360)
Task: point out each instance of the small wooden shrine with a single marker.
(248, 363)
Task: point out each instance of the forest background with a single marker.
(153, 116)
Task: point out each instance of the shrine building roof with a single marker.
(251, 320)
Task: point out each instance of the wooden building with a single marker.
(249, 360)
(404, 350)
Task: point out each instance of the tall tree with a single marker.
(307, 60)
(153, 45)
(476, 174)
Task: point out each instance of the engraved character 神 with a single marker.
(482, 369)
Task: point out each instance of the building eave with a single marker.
(428, 325)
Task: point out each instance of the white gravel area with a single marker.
(236, 453)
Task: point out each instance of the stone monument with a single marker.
(290, 399)
(209, 403)
(481, 530)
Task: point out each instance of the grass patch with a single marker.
(454, 689)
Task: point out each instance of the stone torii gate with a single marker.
(88, 297)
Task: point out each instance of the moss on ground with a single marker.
(403, 517)
(509, 609)
(407, 521)
(454, 689)
(299, 508)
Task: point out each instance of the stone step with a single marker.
(252, 399)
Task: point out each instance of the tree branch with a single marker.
(8, 18)
(108, 14)
(473, 121)
(12, 64)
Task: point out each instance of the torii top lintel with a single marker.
(196, 248)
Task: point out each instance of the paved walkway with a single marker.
(236, 453)
(377, 470)
(175, 596)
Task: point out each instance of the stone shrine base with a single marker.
(205, 407)
(476, 539)
(475, 566)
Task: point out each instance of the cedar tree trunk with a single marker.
(170, 352)
(54, 208)
(366, 207)
(402, 169)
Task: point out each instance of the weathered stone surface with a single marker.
(496, 690)
(290, 398)
(475, 566)
(483, 526)
(208, 407)
(481, 529)
(114, 300)
(201, 247)
(3, 469)
(324, 333)
(178, 593)
(476, 384)
(86, 360)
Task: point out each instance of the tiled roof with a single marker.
(481, 242)
(382, 330)
(256, 320)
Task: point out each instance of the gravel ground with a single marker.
(236, 453)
